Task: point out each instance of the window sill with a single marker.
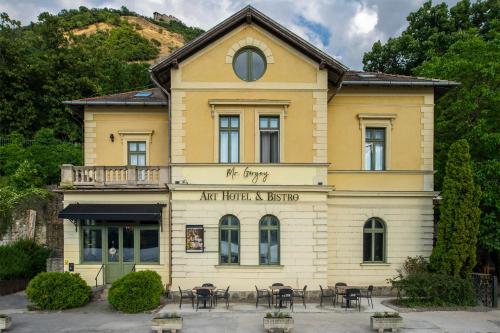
(383, 264)
(251, 266)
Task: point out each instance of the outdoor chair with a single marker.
(222, 294)
(186, 294)
(275, 293)
(262, 293)
(300, 293)
(368, 295)
(205, 296)
(339, 292)
(207, 285)
(326, 294)
(168, 291)
(285, 296)
(352, 295)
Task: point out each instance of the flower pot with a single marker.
(271, 324)
(5, 322)
(172, 324)
(381, 324)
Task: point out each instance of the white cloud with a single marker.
(364, 21)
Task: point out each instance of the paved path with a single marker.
(99, 317)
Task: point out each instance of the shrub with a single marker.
(136, 292)
(434, 289)
(57, 291)
(14, 263)
(37, 256)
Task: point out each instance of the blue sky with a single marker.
(343, 28)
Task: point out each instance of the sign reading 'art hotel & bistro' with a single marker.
(249, 196)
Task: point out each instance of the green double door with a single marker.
(120, 251)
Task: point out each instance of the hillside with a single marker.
(165, 40)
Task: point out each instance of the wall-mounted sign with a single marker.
(195, 238)
(255, 176)
(249, 196)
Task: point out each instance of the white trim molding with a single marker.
(236, 112)
(249, 41)
(270, 112)
(381, 120)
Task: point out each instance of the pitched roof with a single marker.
(152, 96)
(352, 78)
(248, 15)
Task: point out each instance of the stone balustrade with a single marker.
(113, 176)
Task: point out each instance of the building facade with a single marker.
(258, 158)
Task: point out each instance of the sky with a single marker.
(345, 29)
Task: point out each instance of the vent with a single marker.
(366, 75)
(143, 94)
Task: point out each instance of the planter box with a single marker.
(12, 286)
(5, 323)
(271, 324)
(172, 324)
(381, 324)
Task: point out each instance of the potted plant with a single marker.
(386, 320)
(278, 320)
(166, 321)
(5, 322)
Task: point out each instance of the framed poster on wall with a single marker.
(195, 241)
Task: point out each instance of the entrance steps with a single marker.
(100, 293)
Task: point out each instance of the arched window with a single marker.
(229, 240)
(374, 240)
(269, 240)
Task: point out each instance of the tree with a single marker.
(458, 227)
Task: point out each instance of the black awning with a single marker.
(113, 212)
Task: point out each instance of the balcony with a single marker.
(73, 177)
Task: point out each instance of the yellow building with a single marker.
(257, 159)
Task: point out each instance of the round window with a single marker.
(249, 64)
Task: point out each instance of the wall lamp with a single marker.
(112, 137)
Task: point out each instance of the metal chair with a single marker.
(326, 294)
(300, 293)
(222, 294)
(186, 294)
(368, 295)
(339, 293)
(262, 293)
(204, 295)
(352, 294)
(275, 293)
(285, 296)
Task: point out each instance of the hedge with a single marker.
(22, 259)
(57, 291)
(136, 292)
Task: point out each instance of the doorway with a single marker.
(119, 257)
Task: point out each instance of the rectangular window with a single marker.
(137, 153)
(269, 127)
(375, 149)
(92, 245)
(149, 245)
(229, 139)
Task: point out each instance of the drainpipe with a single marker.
(169, 115)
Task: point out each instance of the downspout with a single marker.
(169, 118)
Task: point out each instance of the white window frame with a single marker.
(229, 112)
(127, 136)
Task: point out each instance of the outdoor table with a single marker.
(342, 290)
(211, 292)
(274, 288)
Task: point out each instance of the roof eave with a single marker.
(401, 83)
(109, 103)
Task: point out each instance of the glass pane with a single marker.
(367, 247)
(263, 122)
(379, 246)
(224, 122)
(224, 147)
(141, 160)
(265, 147)
(258, 65)
(234, 221)
(149, 246)
(241, 65)
(274, 247)
(92, 245)
(368, 156)
(113, 245)
(368, 224)
(225, 220)
(128, 244)
(379, 156)
(235, 258)
(369, 133)
(224, 240)
(274, 222)
(378, 224)
(235, 122)
(379, 134)
(275, 147)
(132, 146)
(235, 146)
(133, 159)
(263, 248)
(142, 146)
(274, 123)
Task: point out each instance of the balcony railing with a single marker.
(114, 176)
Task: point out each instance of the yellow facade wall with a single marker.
(126, 123)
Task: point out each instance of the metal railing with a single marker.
(133, 268)
(97, 276)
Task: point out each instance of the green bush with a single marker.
(434, 289)
(136, 292)
(37, 256)
(57, 291)
(14, 263)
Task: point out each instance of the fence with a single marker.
(486, 286)
(6, 141)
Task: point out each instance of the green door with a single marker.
(119, 259)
